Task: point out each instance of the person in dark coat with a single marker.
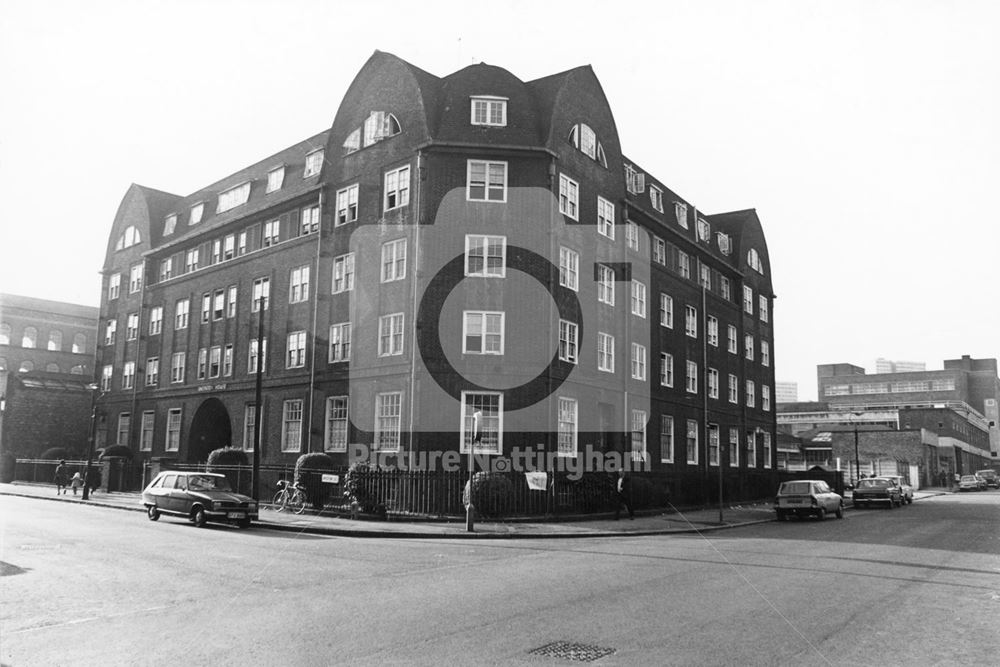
(93, 480)
(623, 494)
(61, 479)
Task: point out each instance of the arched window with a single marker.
(753, 259)
(26, 365)
(30, 338)
(128, 238)
(79, 343)
(55, 340)
(378, 126)
(52, 368)
(77, 370)
(4, 334)
(583, 138)
(353, 142)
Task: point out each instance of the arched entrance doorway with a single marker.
(210, 429)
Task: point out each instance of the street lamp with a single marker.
(857, 458)
(93, 436)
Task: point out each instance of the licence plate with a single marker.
(794, 501)
(236, 515)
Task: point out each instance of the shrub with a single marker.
(7, 464)
(309, 471)
(55, 454)
(593, 492)
(491, 493)
(122, 451)
(230, 461)
(355, 486)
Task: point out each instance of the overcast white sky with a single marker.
(864, 133)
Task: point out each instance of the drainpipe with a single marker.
(315, 324)
(415, 303)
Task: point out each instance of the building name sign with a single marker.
(212, 387)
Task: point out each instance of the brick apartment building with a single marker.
(46, 364)
(450, 246)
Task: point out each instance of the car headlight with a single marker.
(252, 507)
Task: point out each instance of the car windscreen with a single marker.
(873, 483)
(208, 483)
(795, 488)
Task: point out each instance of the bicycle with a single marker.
(290, 496)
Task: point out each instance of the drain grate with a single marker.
(572, 651)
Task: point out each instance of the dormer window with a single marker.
(656, 197)
(585, 139)
(233, 197)
(723, 240)
(353, 142)
(681, 212)
(275, 178)
(704, 230)
(380, 125)
(128, 238)
(635, 181)
(753, 259)
(169, 223)
(489, 110)
(314, 161)
(196, 212)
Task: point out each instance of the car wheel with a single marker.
(840, 511)
(909, 501)
(821, 514)
(244, 523)
(892, 503)
(152, 513)
(198, 517)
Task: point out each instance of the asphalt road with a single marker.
(83, 585)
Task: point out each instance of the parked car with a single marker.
(199, 497)
(877, 490)
(991, 477)
(969, 483)
(903, 485)
(807, 497)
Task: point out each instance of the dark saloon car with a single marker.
(878, 490)
(199, 497)
(807, 497)
(991, 477)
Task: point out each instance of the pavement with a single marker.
(659, 522)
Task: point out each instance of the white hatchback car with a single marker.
(807, 497)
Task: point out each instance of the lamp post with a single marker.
(91, 440)
(258, 400)
(470, 510)
(857, 457)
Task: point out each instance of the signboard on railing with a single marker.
(331, 479)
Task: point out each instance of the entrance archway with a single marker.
(211, 429)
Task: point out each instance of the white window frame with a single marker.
(569, 197)
(492, 191)
(568, 424)
(343, 273)
(178, 367)
(713, 331)
(291, 424)
(337, 424)
(605, 218)
(487, 104)
(569, 268)
(388, 421)
(296, 350)
(261, 292)
(734, 389)
(480, 245)
(466, 424)
(568, 341)
(666, 439)
(114, 286)
(172, 440)
(340, 342)
(713, 383)
(605, 352)
(638, 362)
(393, 266)
(666, 369)
(632, 235)
(606, 284)
(347, 205)
(666, 311)
(155, 320)
(714, 446)
(390, 335)
(763, 308)
(637, 439)
(275, 179)
(639, 299)
(734, 447)
(656, 198)
(396, 192)
(233, 197)
(691, 378)
(751, 394)
(469, 317)
(313, 163)
(733, 346)
(691, 321)
(748, 299)
(691, 442)
(146, 431)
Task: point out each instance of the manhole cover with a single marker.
(572, 651)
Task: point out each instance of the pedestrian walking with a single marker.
(93, 480)
(60, 477)
(623, 494)
(76, 481)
